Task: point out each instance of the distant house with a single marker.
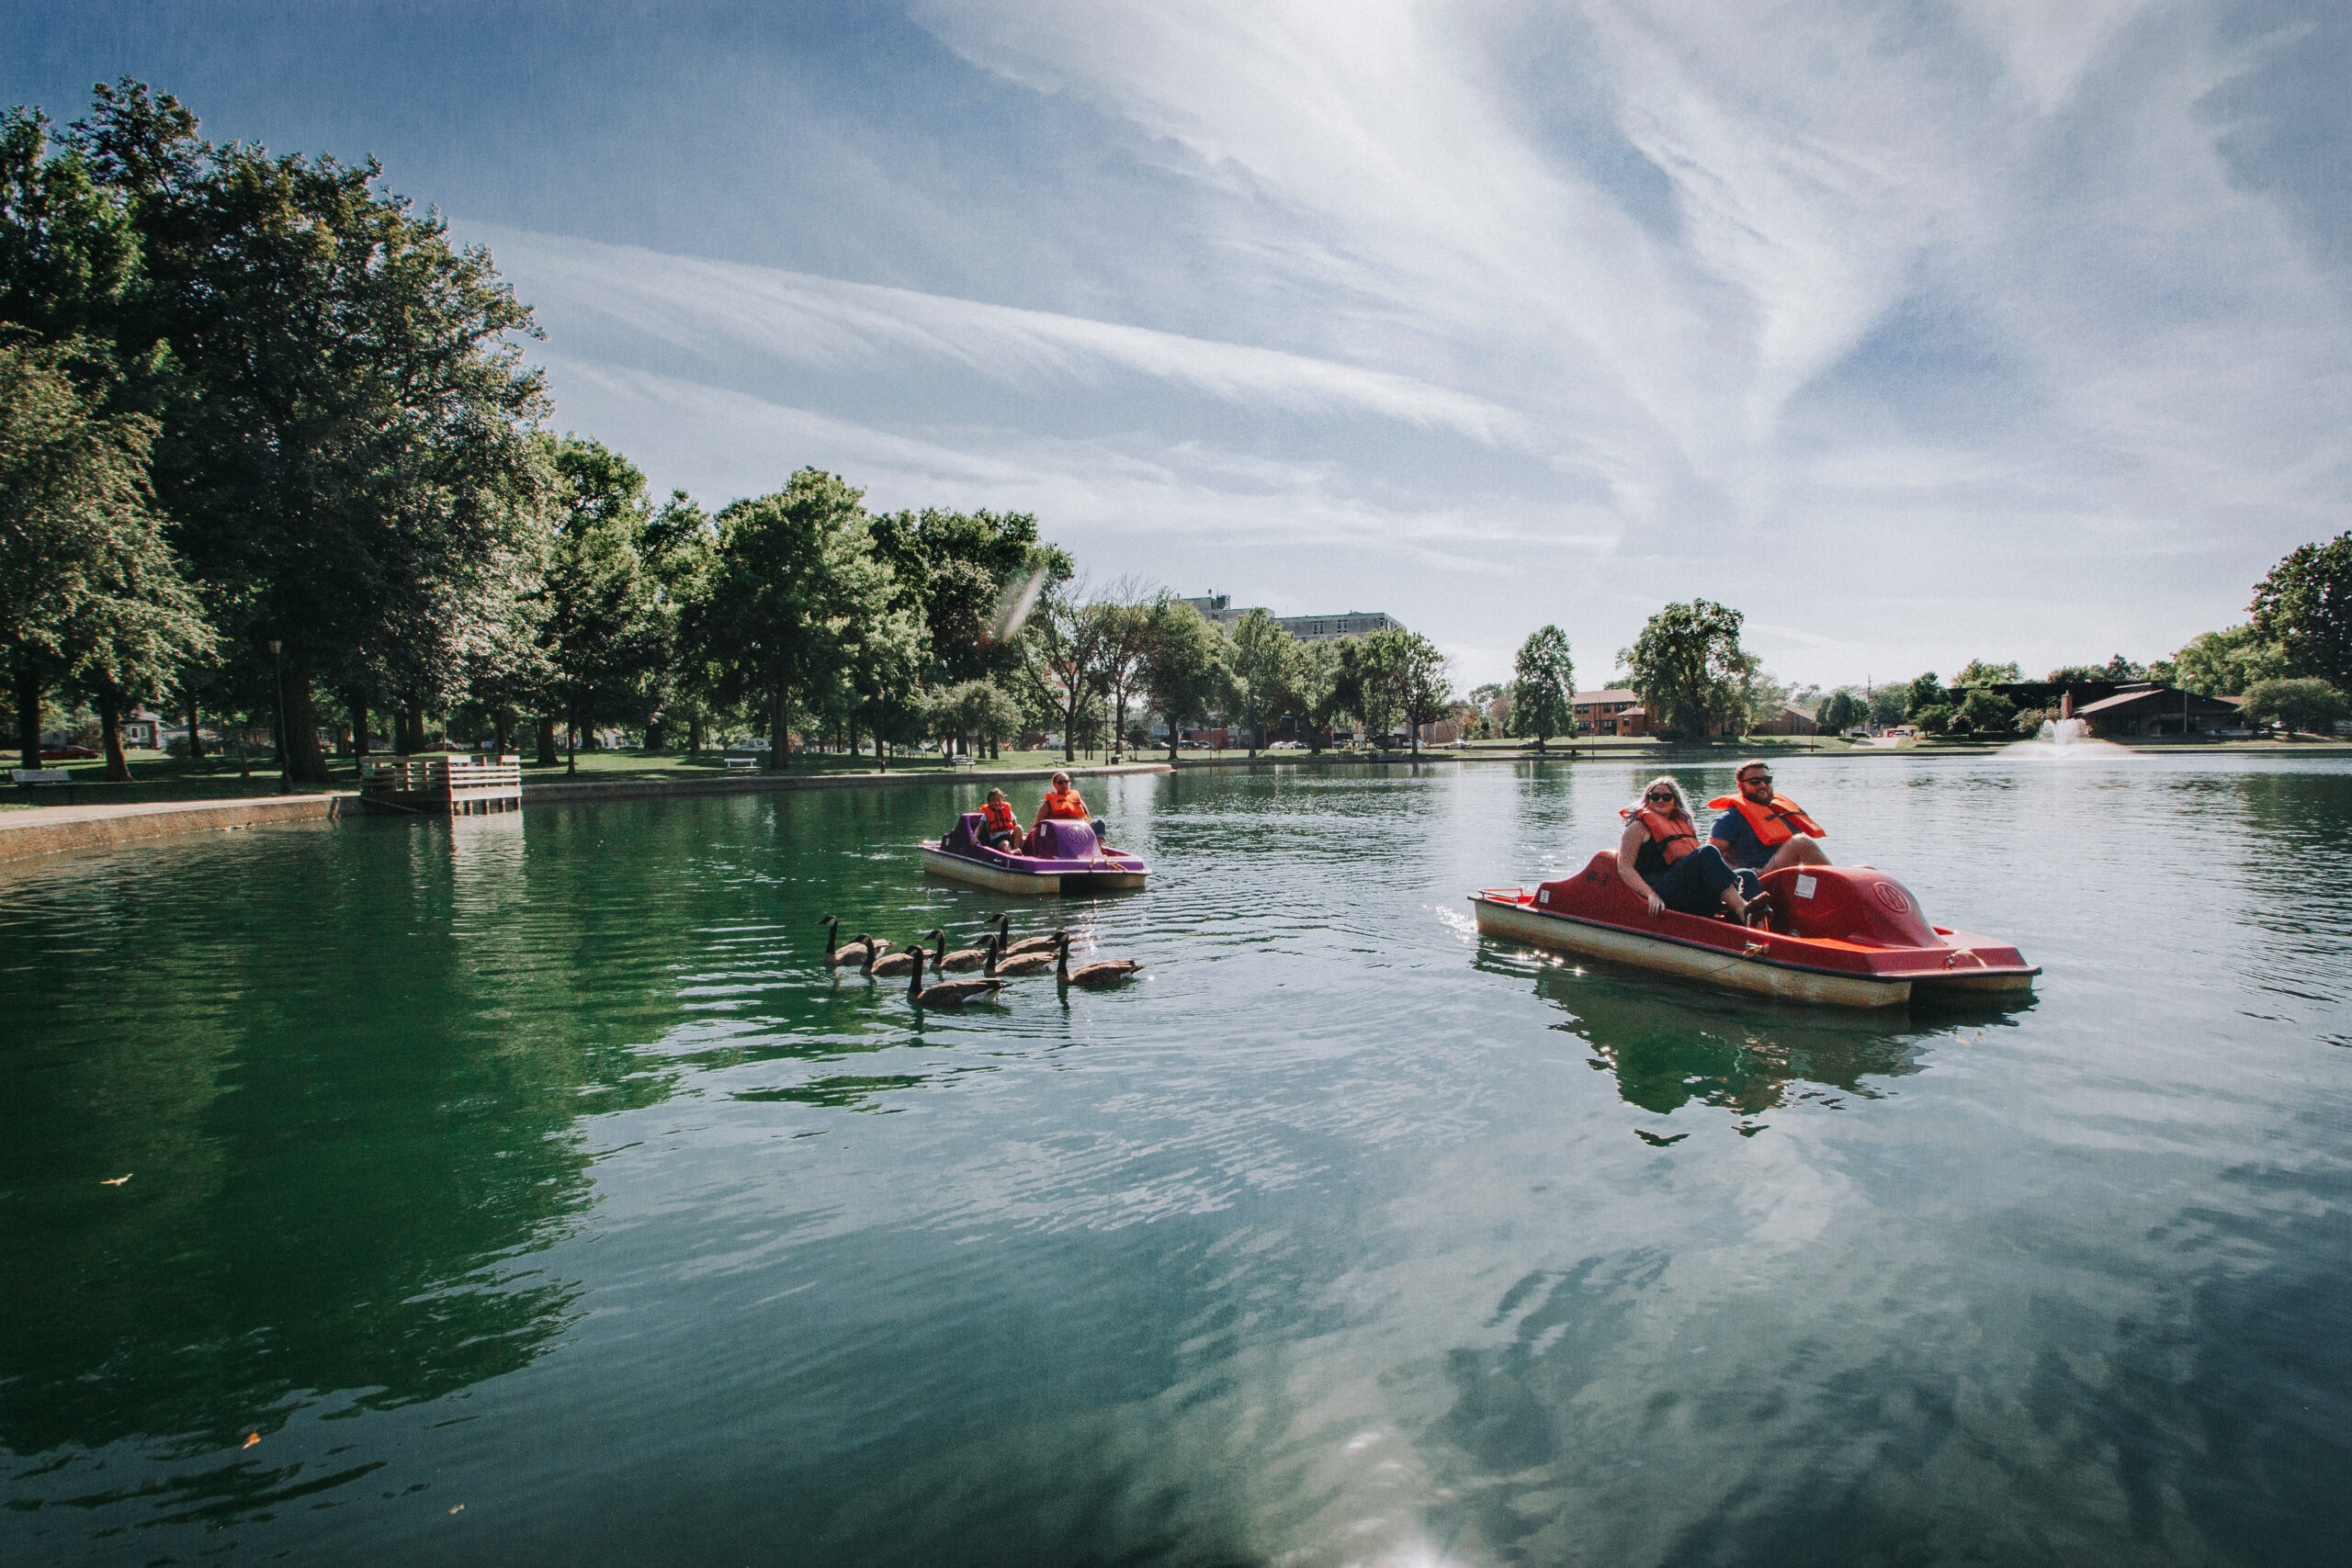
(1791, 720)
(1615, 711)
(2145, 708)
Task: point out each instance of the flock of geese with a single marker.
(999, 958)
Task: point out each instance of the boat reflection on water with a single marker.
(1671, 1045)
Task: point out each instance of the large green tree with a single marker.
(1688, 669)
(1544, 686)
(2222, 663)
(1183, 660)
(2305, 607)
(346, 441)
(89, 590)
(1425, 691)
(600, 629)
(1263, 666)
(795, 590)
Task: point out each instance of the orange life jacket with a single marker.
(1062, 803)
(1675, 836)
(1775, 824)
(996, 817)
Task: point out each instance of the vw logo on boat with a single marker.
(1892, 896)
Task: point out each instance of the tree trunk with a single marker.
(357, 705)
(110, 733)
(693, 733)
(411, 730)
(571, 741)
(502, 724)
(775, 729)
(195, 736)
(547, 740)
(28, 690)
(1173, 725)
(304, 762)
(653, 737)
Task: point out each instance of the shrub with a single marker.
(1986, 710)
(1935, 718)
(2306, 704)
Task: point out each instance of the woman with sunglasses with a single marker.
(1661, 859)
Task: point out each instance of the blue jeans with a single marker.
(1694, 885)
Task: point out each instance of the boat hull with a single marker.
(1712, 966)
(1032, 884)
(1844, 936)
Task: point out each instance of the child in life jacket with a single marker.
(1000, 829)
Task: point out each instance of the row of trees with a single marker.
(266, 435)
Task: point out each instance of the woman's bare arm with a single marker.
(1628, 848)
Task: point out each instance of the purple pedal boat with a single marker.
(1065, 858)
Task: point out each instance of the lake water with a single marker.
(537, 1196)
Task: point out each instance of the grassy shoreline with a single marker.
(156, 778)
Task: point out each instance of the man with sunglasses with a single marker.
(1761, 831)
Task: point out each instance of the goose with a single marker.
(947, 993)
(962, 958)
(851, 953)
(897, 963)
(1104, 972)
(1017, 965)
(1011, 948)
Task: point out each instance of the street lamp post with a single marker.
(285, 767)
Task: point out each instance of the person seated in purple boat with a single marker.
(1660, 857)
(1062, 803)
(1000, 829)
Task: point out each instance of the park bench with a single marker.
(735, 764)
(42, 778)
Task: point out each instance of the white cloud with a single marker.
(1948, 332)
(825, 324)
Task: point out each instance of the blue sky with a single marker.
(1994, 328)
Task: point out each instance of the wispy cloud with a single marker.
(826, 324)
(1813, 307)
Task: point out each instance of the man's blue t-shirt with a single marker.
(1738, 842)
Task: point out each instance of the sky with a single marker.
(1998, 329)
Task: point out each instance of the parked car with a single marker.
(1287, 746)
(67, 754)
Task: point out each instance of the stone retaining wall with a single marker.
(50, 829)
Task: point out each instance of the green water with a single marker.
(535, 1194)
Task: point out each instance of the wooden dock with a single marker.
(453, 786)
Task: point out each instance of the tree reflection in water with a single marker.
(350, 1119)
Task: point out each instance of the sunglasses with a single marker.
(1659, 794)
(1757, 778)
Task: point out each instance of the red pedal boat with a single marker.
(1845, 935)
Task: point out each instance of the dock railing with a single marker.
(461, 786)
